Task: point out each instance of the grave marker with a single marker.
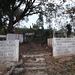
(49, 42)
(9, 50)
(15, 37)
(63, 46)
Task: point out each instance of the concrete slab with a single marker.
(37, 73)
(40, 59)
(34, 64)
(9, 63)
(34, 55)
(35, 60)
(35, 68)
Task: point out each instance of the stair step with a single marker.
(35, 68)
(37, 73)
(34, 64)
(36, 49)
(34, 55)
(36, 60)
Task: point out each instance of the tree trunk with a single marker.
(10, 26)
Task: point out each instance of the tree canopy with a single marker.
(12, 12)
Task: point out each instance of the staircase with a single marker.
(35, 64)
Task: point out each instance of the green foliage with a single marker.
(24, 30)
(47, 33)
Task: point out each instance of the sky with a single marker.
(33, 18)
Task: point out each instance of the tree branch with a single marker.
(17, 6)
(29, 10)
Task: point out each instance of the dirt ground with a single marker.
(64, 65)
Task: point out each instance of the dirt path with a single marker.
(33, 55)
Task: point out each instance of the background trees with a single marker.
(56, 13)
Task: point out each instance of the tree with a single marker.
(12, 12)
(71, 12)
(40, 21)
(51, 10)
(69, 28)
(35, 26)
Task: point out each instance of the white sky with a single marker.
(33, 18)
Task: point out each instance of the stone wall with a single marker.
(9, 50)
(63, 46)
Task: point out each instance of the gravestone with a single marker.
(49, 42)
(2, 37)
(63, 46)
(15, 37)
(9, 50)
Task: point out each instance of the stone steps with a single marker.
(37, 49)
(35, 68)
(35, 63)
(37, 73)
(38, 55)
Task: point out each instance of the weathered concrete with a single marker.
(37, 73)
(9, 50)
(18, 70)
(63, 46)
(34, 55)
(15, 37)
(36, 64)
(36, 60)
(35, 68)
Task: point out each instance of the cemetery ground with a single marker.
(38, 60)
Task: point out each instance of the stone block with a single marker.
(9, 50)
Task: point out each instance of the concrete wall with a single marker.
(9, 50)
(63, 46)
(2, 36)
(15, 37)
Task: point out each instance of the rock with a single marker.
(13, 68)
(9, 63)
(2, 67)
(1, 73)
(18, 70)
